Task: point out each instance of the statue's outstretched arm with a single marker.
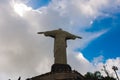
(40, 32)
(48, 33)
(79, 37)
(72, 36)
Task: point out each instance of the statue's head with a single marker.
(60, 29)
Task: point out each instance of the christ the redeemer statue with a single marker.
(60, 44)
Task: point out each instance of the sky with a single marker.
(25, 53)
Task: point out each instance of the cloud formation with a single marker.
(24, 53)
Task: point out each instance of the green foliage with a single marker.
(109, 78)
(96, 76)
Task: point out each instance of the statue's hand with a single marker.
(40, 33)
(79, 37)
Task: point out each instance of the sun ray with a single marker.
(20, 8)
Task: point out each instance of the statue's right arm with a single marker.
(48, 33)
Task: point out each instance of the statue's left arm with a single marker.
(78, 37)
(71, 36)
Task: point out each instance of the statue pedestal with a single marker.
(58, 68)
(60, 72)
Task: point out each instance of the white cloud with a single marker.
(83, 65)
(21, 8)
(113, 62)
(97, 60)
(79, 62)
(24, 53)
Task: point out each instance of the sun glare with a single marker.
(20, 8)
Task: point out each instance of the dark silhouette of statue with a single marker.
(60, 44)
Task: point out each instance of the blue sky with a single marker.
(38, 3)
(107, 45)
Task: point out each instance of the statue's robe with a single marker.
(60, 44)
